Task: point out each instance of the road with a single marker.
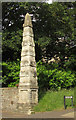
(68, 113)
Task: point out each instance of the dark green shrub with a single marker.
(10, 73)
(50, 77)
(42, 74)
(70, 64)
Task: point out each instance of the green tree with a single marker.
(53, 26)
(57, 21)
(10, 73)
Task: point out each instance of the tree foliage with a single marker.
(10, 73)
(53, 26)
(57, 21)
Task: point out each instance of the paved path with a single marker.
(69, 113)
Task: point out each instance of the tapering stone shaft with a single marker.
(28, 87)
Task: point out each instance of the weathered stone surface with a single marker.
(28, 86)
(28, 40)
(9, 99)
(28, 96)
(28, 51)
(27, 31)
(27, 60)
(34, 95)
(28, 82)
(27, 21)
(24, 106)
(28, 71)
(25, 96)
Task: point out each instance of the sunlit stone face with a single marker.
(28, 86)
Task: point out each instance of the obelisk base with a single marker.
(24, 108)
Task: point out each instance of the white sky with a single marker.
(49, 1)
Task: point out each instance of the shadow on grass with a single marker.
(69, 106)
(41, 94)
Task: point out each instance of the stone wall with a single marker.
(9, 99)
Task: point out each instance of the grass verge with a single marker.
(54, 100)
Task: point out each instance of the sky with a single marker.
(49, 1)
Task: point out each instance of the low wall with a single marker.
(9, 99)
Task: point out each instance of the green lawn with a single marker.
(0, 33)
(54, 100)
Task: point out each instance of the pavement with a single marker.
(68, 113)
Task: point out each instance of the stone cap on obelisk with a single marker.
(27, 21)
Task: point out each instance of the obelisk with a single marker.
(28, 87)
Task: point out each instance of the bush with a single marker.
(10, 73)
(54, 78)
(42, 74)
(61, 79)
(50, 76)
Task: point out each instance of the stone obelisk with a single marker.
(28, 87)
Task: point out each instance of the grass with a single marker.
(54, 100)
